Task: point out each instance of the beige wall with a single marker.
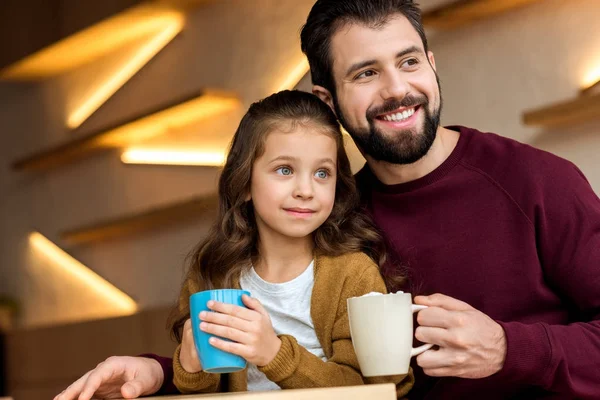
(491, 71)
(244, 46)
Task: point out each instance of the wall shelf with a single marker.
(130, 224)
(138, 128)
(461, 13)
(70, 40)
(580, 109)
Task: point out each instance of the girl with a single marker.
(289, 231)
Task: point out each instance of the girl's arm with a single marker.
(296, 367)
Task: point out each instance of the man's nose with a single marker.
(394, 86)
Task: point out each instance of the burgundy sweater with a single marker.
(514, 232)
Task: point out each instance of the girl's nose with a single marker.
(304, 188)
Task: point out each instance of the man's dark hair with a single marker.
(326, 16)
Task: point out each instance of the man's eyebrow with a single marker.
(361, 64)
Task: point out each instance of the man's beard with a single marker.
(402, 147)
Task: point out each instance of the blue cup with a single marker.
(214, 360)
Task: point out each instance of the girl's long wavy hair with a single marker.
(231, 244)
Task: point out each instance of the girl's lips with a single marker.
(299, 212)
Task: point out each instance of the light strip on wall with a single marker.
(591, 78)
(92, 43)
(207, 105)
(82, 273)
(292, 78)
(172, 157)
(131, 67)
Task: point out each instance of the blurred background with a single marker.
(115, 116)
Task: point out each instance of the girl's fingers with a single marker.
(233, 310)
(225, 320)
(225, 332)
(254, 304)
(230, 347)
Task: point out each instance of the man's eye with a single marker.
(366, 74)
(411, 62)
(322, 174)
(284, 171)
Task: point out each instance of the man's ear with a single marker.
(324, 95)
(431, 59)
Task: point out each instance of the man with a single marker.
(509, 234)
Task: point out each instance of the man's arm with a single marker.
(558, 358)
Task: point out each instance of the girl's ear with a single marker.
(248, 197)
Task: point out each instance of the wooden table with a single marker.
(385, 391)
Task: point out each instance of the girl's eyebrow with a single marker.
(283, 158)
(290, 159)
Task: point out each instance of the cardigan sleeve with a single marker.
(296, 367)
(186, 382)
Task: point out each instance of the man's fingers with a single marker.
(437, 336)
(439, 372)
(443, 301)
(231, 309)
(74, 389)
(435, 317)
(441, 358)
(132, 389)
(96, 378)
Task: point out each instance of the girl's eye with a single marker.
(284, 171)
(322, 174)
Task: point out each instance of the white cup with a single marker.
(382, 333)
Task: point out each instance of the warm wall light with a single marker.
(106, 89)
(592, 78)
(172, 157)
(292, 78)
(204, 106)
(92, 43)
(179, 114)
(82, 273)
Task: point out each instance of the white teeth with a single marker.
(400, 116)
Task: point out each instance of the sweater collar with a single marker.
(367, 181)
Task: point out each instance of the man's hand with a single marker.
(250, 330)
(471, 344)
(117, 377)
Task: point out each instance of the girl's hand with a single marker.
(188, 356)
(250, 329)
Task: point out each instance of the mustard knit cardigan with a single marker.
(294, 367)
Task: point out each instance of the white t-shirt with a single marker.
(288, 305)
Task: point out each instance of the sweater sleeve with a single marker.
(296, 367)
(199, 382)
(563, 358)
